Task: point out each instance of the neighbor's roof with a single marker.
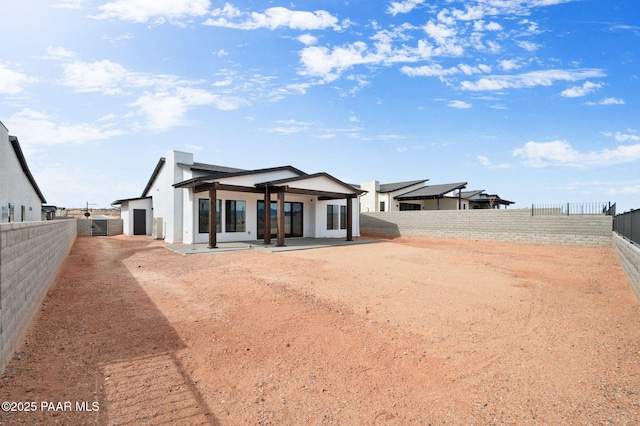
(468, 194)
(390, 187)
(487, 198)
(23, 163)
(431, 191)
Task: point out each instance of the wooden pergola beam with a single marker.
(267, 216)
(280, 219)
(212, 218)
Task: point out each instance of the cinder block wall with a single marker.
(84, 227)
(30, 255)
(115, 226)
(491, 225)
(629, 256)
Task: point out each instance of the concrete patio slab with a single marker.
(290, 244)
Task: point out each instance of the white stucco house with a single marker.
(416, 195)
(20, 197)
(190, 202)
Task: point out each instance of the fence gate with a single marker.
(99, 228)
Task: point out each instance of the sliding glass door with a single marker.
(292, 219)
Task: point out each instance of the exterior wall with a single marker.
(15, 187)
(126, 214)
(321, 230)
(369, 200)
(314, 215)
(178, 208)
(168, 201)
(629, 256)
(491, 225)
(30, 256)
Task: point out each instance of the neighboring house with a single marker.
(189, 202)
(380, 197)
(20, 197)
(480, 200)
(415, 195)
(411, 195)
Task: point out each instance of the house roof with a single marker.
(23, 163)
(469, 194)
(239, 172)
(311, 176)
(487, 198)
(124, 200)
(391, 187)
(153, 177)
(431, 191)
(203, 167)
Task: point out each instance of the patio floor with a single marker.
(290, 244)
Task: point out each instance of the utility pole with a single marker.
(86, 210)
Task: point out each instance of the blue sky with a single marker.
(535, 100)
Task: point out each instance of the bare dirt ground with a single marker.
(396, 332)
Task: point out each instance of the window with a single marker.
(292, 219)
(409, 206)
(343, 216)
(333, 214)
(23, 214)
(203, 215)
(235, 216)
(11, 213)
(336, 216)
(381, 206)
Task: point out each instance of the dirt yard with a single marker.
(396, 332)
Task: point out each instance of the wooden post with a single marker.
(212, 218)
(267, 216)
(280, 219)
(349, 219)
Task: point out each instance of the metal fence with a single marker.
(628, 225)
(573, 209)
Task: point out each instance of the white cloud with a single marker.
(307, 39)
(272, 18)
(625, 190)
(484, 161)
(191, 147)
(36, 129)
(58, 53)
(470, 70)
(528, 46)
(435, 70)
(69, 4)
(607, 101)
(541, 154)
(530, 79)
(13, 82)
(623, 137)
(111, 78)
(509, 65)
(319, 61)
(578, 91)
(406, 6)
(166, 109)
(157, 11)
(459, 104)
